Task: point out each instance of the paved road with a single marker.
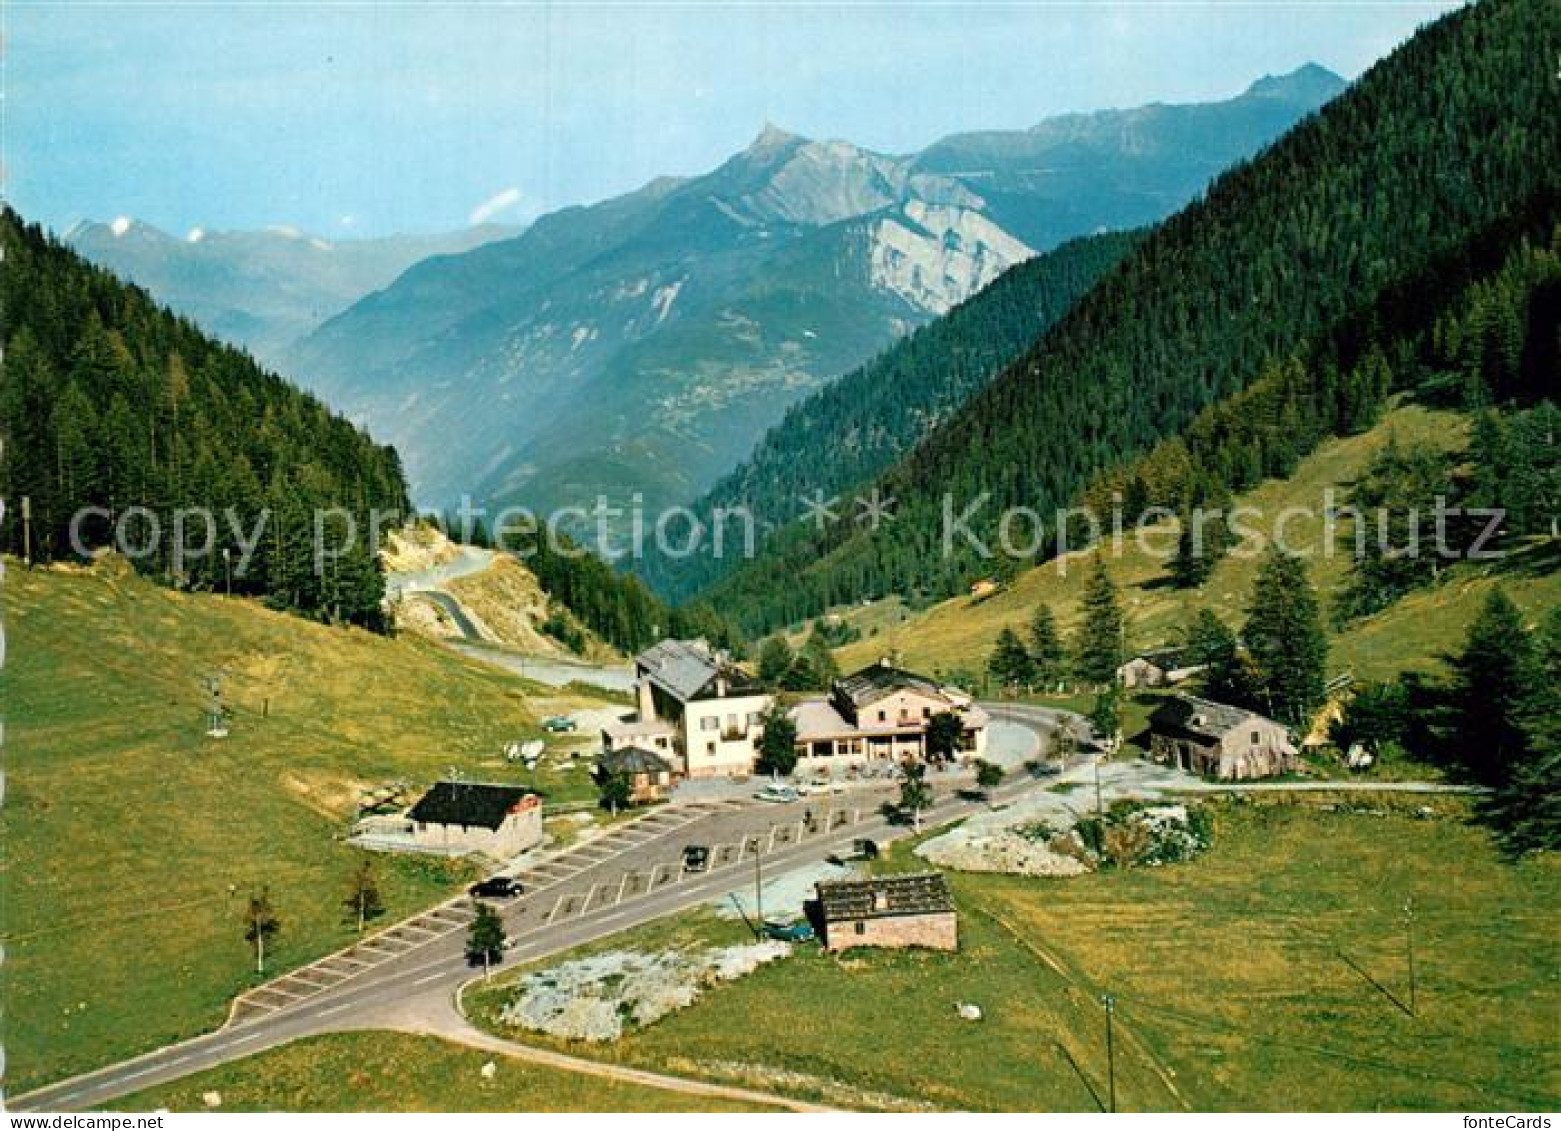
(451, 606)
(630, 877)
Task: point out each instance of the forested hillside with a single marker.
(1454, 130)
(853, 429)
(110, 401)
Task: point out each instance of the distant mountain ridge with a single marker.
(640, 346)
(1455, 129)
(262, 290)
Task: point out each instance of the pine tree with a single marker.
(1010, 664)
(775, 660)
(1492, 688)
(1046, 647)
(1284, 634)
(1227, 675)
(1098, 648)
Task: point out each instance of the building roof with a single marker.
(688, 669)
(638, 728)
(879, 680)
(1167, 659)
(469, 804)
(632, 760)
(883, 897)
(1202, 718)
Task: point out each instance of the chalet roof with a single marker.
(873, 683)
(688, 669)
(1201, 718)
(469, 804)
(632, 760)
(883, 897)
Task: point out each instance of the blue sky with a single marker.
(360, 118)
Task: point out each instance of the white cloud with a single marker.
(498, 202)
(196, 235)
(285, 231)
(120, 226)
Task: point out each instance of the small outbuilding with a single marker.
(650, 775)
(460, 818)
(1219, 741)
(892, 911)
(1160, 667)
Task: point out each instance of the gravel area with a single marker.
(1008, 839)
(597, 998)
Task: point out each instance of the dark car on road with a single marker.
(696, 858)
(497, 887)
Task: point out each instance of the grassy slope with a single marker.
(124, 827)
(959, 633)
(401, 1072)
(1230, 976)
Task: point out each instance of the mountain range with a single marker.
(1292, 262)
(262, 290)
(640, 346)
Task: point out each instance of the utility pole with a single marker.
(27, 531)
(758, 888)
(1409, 939)
(1111, 1052)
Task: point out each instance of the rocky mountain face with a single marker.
(640, 346)
(266, 289)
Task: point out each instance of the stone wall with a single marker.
(939, 931)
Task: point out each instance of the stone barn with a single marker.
(1219, 741)
(893, 911)
(460, 818)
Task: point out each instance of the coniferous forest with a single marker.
(855, 428)
(1453, 134)
(111, 402)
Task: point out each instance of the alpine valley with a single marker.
(643, 344)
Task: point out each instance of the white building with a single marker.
(709, 710)
(882, 713)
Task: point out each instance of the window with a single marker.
(860, 927)
(754, 718)
(1256, 738)
(710, 749)
(710, 723)
(882, 717)
(926, 712)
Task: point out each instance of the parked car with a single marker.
(558, 724)
(820, 785)
(778, 794)
(696, 858)
(497, 887)
(788, 932)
